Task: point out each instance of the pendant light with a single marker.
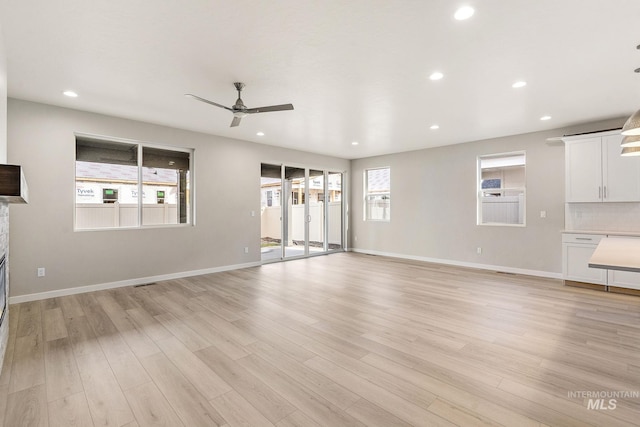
(630, 151)
(630, 145)
(630, 141)
(632, 125)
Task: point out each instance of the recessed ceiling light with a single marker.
(70, 94)
(545, 118)
(519, 84)
(260, 133)
(434, 127)
(464, 12)
(436, 75)
(355, 143)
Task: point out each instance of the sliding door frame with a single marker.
(285, 217)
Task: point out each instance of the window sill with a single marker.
(498, 224)
(144, 227)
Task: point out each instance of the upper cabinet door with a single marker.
(621, 175)
(583, 169)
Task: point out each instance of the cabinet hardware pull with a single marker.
(584, 238)
(605, 191)
(599, 192)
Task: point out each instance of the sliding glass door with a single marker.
(316, 214)
(301, 212)
(271, 212)
(335, 222)
(294, 227)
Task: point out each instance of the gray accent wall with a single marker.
(227, 186)
(433, 205)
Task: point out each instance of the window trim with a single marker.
(479, 189)
(140, 145)
(366, 194)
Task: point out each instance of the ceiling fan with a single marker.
(239, 110)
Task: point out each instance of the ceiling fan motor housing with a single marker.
(239, 106)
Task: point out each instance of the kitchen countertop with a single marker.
(617, 253)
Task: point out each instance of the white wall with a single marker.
(433, 205)
(41, 138)
(4, 211)
(3, 101)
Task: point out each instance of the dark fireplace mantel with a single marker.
(13, 185)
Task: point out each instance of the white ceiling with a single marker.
(354, 70)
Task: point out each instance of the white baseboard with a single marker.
(499, 268)
(130, 282)
(142, 280)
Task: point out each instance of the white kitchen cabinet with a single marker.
(596, 172)
(623, 279)
(620, 174)
(583, 170)
(576, 252)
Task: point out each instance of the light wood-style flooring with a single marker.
(339, 340)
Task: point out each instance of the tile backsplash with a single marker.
(603, 216)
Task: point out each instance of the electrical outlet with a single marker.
(479, 250)
(253, 213)
(543, 214)
(246, 250)
(40, 271)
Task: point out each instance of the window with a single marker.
(297, 197)
(377, 194)
(111, 176)
(501, 189)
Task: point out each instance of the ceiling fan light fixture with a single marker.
(632, 125)
(630, 151)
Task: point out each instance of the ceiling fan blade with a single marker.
(282, 107)
(207, 101)
(236, 121)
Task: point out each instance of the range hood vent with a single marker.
(13, 186)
